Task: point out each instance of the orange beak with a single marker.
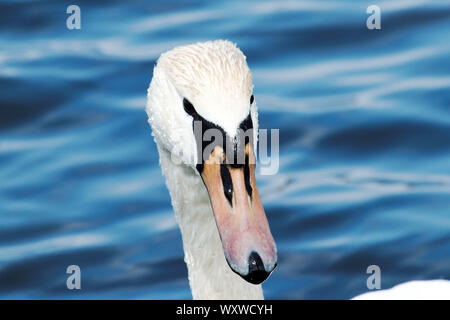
(247, 243)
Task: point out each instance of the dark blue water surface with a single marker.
(364, 119)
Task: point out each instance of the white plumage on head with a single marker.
(215, 78)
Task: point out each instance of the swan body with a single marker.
(220, 238)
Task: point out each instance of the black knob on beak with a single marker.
(256, 271)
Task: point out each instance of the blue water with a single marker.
(364, 119)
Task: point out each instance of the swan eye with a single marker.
(189, 108)
(252, 98)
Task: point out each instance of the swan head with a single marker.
(202, 111)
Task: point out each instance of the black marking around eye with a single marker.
(201, 143)
(238, 146)
(252, 98)
(189, 108)
(247, 123)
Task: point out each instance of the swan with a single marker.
(228, 247)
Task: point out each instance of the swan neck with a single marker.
(210, 277)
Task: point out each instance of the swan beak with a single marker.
(247, 242)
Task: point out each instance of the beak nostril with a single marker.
(255, 262)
